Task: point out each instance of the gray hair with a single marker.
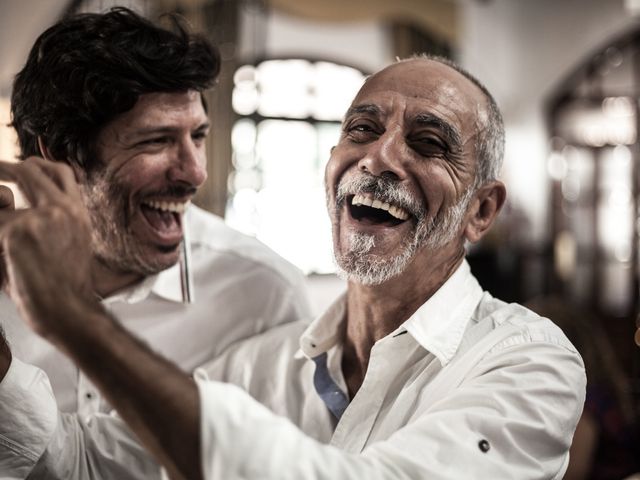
(489, 143)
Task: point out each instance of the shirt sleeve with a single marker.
(39, 442)
(28, 417)
(282, 300)
(512, 416)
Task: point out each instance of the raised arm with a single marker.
(47, 257)
(155, 398)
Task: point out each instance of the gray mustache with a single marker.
(387, 190)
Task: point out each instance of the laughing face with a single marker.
(400, 180)
(152, 161)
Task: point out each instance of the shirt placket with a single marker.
(88, 397)
(357, 421)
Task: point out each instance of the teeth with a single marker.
(174, 207)
(398, 212)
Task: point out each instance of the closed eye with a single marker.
(428, 146)
(154, 141)
(199, 136)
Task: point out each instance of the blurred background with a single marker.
(566, 74)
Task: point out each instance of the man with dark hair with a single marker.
(89, 68)
(415, 373)
(119, 100)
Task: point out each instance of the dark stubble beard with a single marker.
(114, 244)
(358, 264)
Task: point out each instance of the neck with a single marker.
(374, 311)
(107, 281)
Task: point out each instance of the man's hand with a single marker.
(6, 198)
(46, 248)
(7, 203)
(47, 252)
(5, 355)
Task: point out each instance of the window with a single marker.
(289, 118)
(595, 193)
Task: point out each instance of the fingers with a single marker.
(7, 215)
(7, 201)
(7, 222)
(6, 205)
(60, 173)
(40, 180)
(36, 187)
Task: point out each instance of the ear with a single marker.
(484, 209)
(44, 151)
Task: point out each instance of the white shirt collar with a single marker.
(325, 331)
(165, 284)
(438, 325)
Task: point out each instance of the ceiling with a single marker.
(21, 21)
(439, 16)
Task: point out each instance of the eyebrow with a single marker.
(451, 133)
(365, 108)
(142, 132)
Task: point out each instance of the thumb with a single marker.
(7, 200)
(6, 203)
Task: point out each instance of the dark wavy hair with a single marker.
(85, 70)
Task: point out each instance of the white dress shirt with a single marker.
(241, 288)
(468, 387)
(248, 287)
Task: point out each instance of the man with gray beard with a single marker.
(356, 264)
(414, 373)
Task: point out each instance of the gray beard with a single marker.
(359, 265)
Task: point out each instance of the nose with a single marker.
(189, 166)
(384, 156)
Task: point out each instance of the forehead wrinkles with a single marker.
(439, 88)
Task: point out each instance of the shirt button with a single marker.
(88, 395)
(484, 446)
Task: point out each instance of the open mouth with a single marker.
(367, 209)
(165, 218)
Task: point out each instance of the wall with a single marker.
(21, 21)
(364, 45)
(522, 49)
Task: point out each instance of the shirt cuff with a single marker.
(29, 416)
